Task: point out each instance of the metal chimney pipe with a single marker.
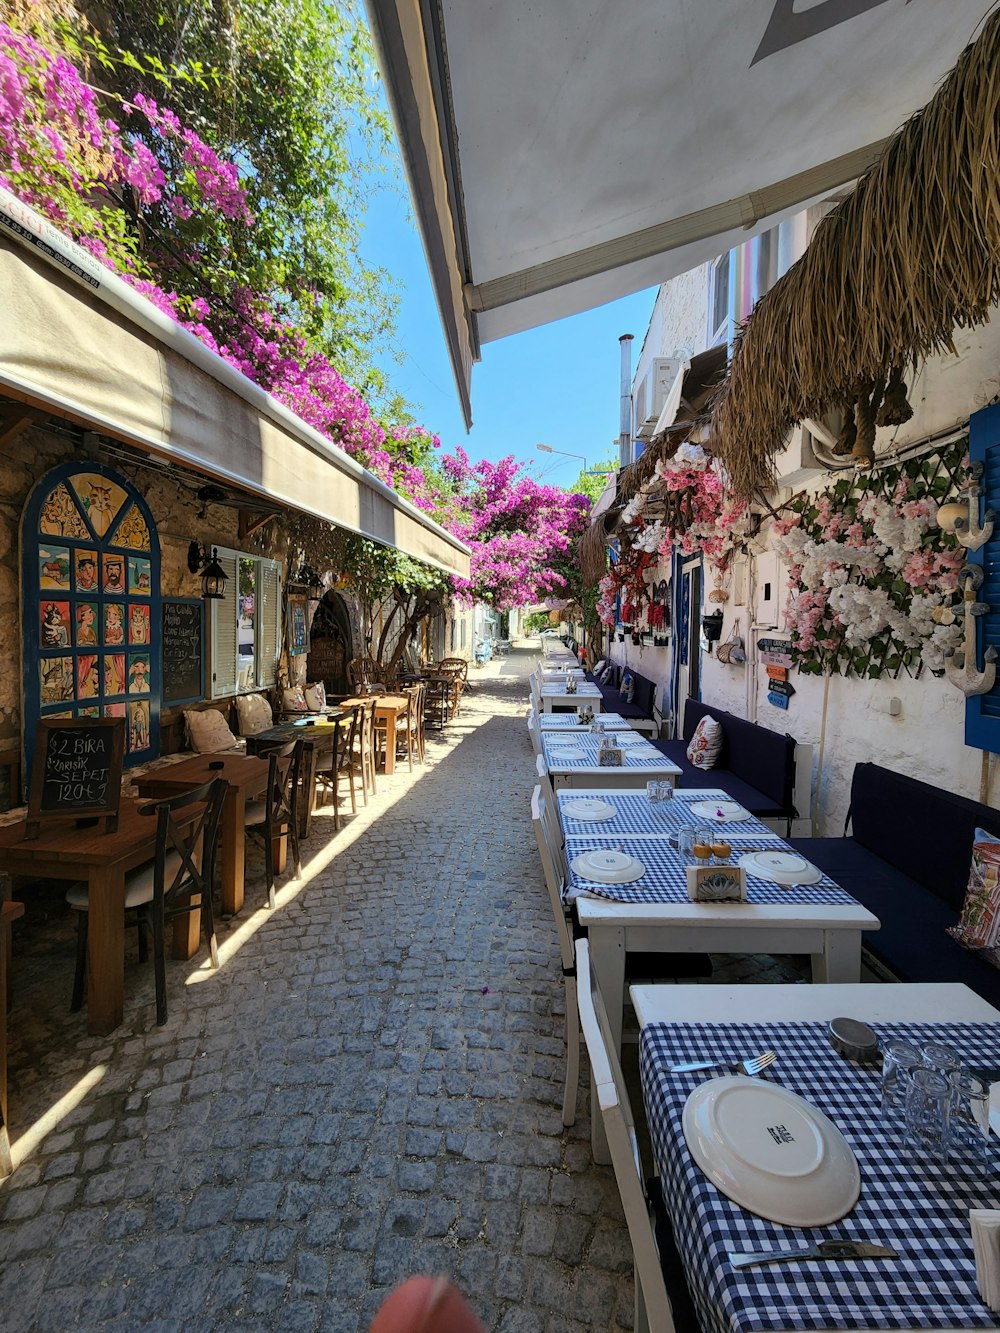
(625, 401)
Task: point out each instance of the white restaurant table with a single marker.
(641, 762)
(553, 692)
(567, 721)
(875, 1003)
(830, 933)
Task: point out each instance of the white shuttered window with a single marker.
(246, 625)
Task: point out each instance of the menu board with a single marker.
(77, 769)
(183, 640)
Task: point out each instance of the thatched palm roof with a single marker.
(913, 253)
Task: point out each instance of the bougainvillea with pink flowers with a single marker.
(868, 568)
(111, 172)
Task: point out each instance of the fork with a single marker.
(750, 1065)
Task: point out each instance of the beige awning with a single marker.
(562, 154)
(64, 348)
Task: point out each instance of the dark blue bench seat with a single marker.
(756, 766)
(908, 862)
(641, 707)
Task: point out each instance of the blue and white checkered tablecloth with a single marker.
(634, 814)
(665, 877)
(908, 1202)
(564, 721)
(642, 755)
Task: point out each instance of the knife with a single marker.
(824, 1249)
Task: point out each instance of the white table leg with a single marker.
(841, 957)
(607, 962)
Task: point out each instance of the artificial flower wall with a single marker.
(868, 566)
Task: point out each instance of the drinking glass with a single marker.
(899, 1058)
(686, 838)
(943, 1059)
(969, 1119)
(653, 794)
(666, 790)
(928, 1102)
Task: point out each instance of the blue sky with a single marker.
(557, 384)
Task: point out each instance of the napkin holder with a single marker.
(571, 685)
(717, 884)
(610, 755)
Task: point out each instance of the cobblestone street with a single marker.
(370, 1086)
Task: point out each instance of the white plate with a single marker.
(629, 737)
(771, 1152)
(782, 867)
(607, 867)
(588, 807)
(566, 751)
(725, 811)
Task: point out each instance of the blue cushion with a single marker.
(912, 942)
(757, 802)
(761, 757)
(919, 829)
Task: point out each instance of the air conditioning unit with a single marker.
(796, 463)
(650, 393)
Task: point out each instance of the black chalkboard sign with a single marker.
(77, 770)
(183, 640)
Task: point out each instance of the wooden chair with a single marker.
(365, 743)
(437, 702)
(652, 1305)
(364, 671)
(458, 669)
(176, 882)
(278, 812)
(340, 760)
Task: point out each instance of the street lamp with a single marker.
(547, 449)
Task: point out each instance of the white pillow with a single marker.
(253, 713)
(208, 731)
(704, 746)
(293, 700)
(600, 666)
(316, 696)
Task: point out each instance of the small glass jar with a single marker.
(969, 1120)
(928, 1106)
(899, 1059)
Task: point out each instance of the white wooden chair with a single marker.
(535, 733)
(652, 1305)
(550, 810)
(554, 884)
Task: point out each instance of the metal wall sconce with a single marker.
(961, 517)
(306, 577)
(213, 576)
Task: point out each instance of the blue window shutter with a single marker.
(982, 711)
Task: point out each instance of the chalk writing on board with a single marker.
(77, 769)
(183, 650)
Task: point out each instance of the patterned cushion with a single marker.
(316, 696)
(208, 730)
(293, 700)
(705, 744)
(253, 713)
(627, 688)
(979, 925)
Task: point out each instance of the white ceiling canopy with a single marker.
(563, 153)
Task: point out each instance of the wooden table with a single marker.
(63, 851)
(318, 736)
(390, 709)
(9, 912)
(245, 778)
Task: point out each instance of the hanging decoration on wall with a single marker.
(960, 663)
(961, 517)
